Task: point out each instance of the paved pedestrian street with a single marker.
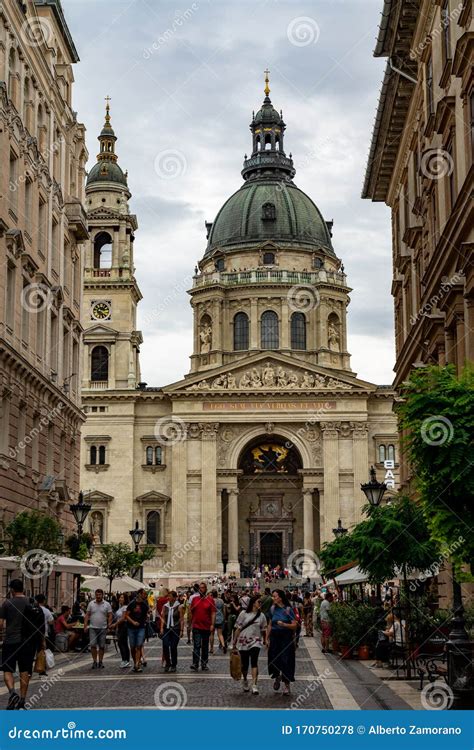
(322, 682)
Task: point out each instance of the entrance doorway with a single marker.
(271, 548)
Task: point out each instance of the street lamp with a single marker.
(80, 511)
(340, 530)
(136, 535)
(373, 490)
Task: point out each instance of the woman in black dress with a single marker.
(282, 625)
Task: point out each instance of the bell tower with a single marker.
(111, 293)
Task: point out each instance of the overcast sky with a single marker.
(184, 80)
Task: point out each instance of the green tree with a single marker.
(339, 552)
(437, 417)
(392, 539)
(118, 559)
(80, 551)
(34, 530)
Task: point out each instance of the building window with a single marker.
(269, 330)
(149, 456)
(42, 227)
(25, 315)
(103, 250)
(28, 204)
(154, 455)
(451, 174)
(446, 24)
(10, 300)
(268, 259)
(318, 263)
(391, 453)
(55, 246)
(298, 331)
(13, 182)
(382, 453)
(97, 455)
(158, 455)
(153, 524)
(99, 363)
(220, 264)
(241, 332)
(429, 87)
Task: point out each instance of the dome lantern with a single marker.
(107, 169)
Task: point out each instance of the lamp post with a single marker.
(137, 534)
(373, 490)
(80, 511)
(339, 530)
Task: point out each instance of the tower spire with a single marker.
(107, 137)
(267, 81)
(107, 110)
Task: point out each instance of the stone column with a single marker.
(360, 462)
(330, 508)
(308, 533)
(449, 342)
(179, 506)
(233, 565)
(460, 343)
(220, 564)
(254, 342)
(208, 497)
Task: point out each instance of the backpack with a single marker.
(32, 624)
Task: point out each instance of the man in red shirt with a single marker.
(203, 613)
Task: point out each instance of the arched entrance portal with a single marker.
(270, 512)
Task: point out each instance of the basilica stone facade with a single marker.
(262, 447)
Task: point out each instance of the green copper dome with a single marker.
(269, 209)
(268, 206)
(106, 171)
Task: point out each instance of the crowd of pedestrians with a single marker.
(246, 621)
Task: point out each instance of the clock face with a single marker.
(101, 310)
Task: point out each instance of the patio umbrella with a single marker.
(60, 564)
(125, 583)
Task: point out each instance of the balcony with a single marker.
(289, 278)
(98, 385)
(77, 219)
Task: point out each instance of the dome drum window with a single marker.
(241, 332)
(269, 327)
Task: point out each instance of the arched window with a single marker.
(153, 527)
(298, 331)
(103, 250)
(158, 455)
(241, 332)
(101, 455)
(269, 330)
(391, 452)
(93, 454)
(99, 363)
(268, 259)
(259, 144)
(149, 456)
(268, 143)
(382, 454)
(318, 263)
(220, 264)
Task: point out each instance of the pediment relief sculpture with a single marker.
(268, 376)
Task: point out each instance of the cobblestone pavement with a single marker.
(323, 681)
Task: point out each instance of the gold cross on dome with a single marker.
(267, 87)
(107, 108)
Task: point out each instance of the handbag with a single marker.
(49, 658)
(40, 663)
(235, 662)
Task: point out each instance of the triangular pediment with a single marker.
(104, 333)
(103, 213)
(269, 372)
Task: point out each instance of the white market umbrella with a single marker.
(60, 564)
(353, 575)
(125, 583)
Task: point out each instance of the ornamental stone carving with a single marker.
(268, 377)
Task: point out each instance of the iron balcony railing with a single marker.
(270, 277)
